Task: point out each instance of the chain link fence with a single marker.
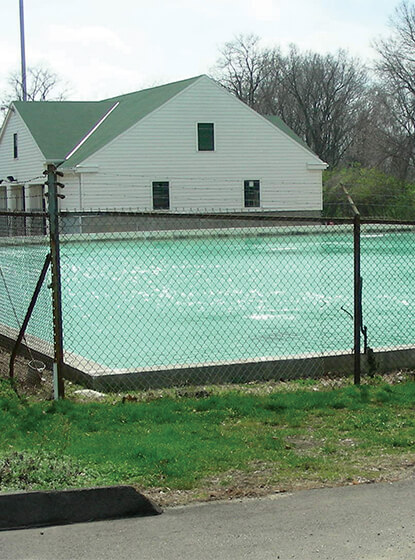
(24, 252)
(202, 300)
(154, 299)
(388, 303)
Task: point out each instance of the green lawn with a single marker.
(306, 436)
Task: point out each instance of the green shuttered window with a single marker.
(205, 137)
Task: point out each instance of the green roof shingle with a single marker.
(59, 126)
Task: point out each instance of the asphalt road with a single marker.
(364, 522)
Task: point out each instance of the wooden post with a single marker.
(53, 212)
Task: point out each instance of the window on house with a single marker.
(161, 195)
(205, 137)
(15, 149)
(251, 194)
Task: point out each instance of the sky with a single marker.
(102, 49)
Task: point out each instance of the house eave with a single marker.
(85, 168)
(317, 165)
(11, 109)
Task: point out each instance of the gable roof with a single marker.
(68, 132)
(59, 127)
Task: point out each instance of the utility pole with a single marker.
(22, 52)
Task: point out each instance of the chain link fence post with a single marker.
(357, 298)
(357, 295)
(53, 214)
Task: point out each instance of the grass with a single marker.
(206, 444)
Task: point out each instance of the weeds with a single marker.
(184, 441)
(39, 469)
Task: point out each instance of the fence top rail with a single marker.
(254, 216)
(387, 221)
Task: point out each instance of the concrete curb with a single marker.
(39, 509)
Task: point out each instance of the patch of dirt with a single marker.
(28, 381)
(19, 367)
(236, 485)
(166, 497)
(348, 442)
(302, 444)
(230, 486)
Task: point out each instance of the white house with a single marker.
(183, 146)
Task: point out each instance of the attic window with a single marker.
(15, 149)
(205, 137)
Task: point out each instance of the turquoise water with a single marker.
(143, 303)
(163, 302)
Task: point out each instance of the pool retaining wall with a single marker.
(312, 365)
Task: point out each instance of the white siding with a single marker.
(72, 192)
(30, 160)
(15, 198)
(163, 147)
(3, 198)
(35, 199)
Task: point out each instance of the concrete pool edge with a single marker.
(255, 230)
(102, 378)
(286, 368)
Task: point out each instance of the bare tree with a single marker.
(317, 96)
(42, 85)
(245, 68)
(326, 92)
(396, 71)
(369, 144)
